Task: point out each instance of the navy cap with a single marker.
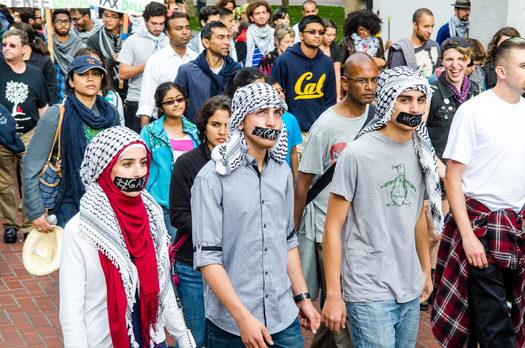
(81, 64)
(461, 43)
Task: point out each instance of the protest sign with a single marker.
(49, 3)
(126, 6)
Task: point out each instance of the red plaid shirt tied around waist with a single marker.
(450, 316)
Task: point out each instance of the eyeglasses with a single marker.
(39, 17)
(364, 81)
(313, 32)
(74, 20)
(60, 21)
(172, 101)
(363, 30)
(113, 18)
(5, 44)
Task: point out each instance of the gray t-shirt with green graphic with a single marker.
(383, 180)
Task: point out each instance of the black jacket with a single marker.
(184, 172)
(443, 107)
(47, 67)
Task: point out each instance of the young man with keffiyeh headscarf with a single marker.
(376, 202)
(481, 256)
(458, 24)
(115, 287)
(244, 240)
(134, 54)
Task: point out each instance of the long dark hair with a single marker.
(219, 102)
(243, 77)
(35, 43)
(164, 88)
(506, 31)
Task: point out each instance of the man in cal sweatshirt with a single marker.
(307, 75)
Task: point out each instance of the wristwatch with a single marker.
(301, 297)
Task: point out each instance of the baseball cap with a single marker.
(81, 64)
(461, 42)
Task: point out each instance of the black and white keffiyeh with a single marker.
(263, 38)
(99, 224)
(248, 99)
(84, 35)
(391, 84)
(159, 42)
(369, 45)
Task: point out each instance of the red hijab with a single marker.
(134, 224)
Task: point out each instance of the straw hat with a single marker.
(41, 253)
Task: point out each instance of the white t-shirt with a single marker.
(487, 135)
(216, 71)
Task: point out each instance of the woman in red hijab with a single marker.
(115, 289)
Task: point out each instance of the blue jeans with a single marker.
(288, 338)
(384, 324)
(191, 294)
(172, 231)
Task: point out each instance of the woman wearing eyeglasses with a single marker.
(360, 30)
(168, 138)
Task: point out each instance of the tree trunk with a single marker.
(351, 6)
(190, 8)
(286, 4)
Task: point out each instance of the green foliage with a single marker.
(335, 13)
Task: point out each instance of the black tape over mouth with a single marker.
(266, 133)
(411, 120)
(130, 184)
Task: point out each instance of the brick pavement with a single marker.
(29, 305)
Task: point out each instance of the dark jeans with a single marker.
(288, 338)
(488, 291)
(130, 115)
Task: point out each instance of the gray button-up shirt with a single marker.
(244, 222)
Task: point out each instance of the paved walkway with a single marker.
(29, 305)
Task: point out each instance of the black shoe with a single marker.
(10, 235)
(423, 306)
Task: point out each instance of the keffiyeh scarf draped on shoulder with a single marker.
(369, 45)
(102, 227)
(97, 24)
(250, 98)
(391, 84)
(64, 51)
(159, 42)
(262, 38)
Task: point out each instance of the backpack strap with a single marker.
(326, 178)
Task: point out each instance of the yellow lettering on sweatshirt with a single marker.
(311, 90)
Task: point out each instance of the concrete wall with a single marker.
(401, 11)
(488, 16)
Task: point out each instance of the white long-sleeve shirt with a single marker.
(162, 66)
(83, 297)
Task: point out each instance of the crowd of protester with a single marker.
(278, 165)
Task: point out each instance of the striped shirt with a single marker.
(244, 222)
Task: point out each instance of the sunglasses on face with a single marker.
(313, 32)
(5, 44)
(172, 101)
